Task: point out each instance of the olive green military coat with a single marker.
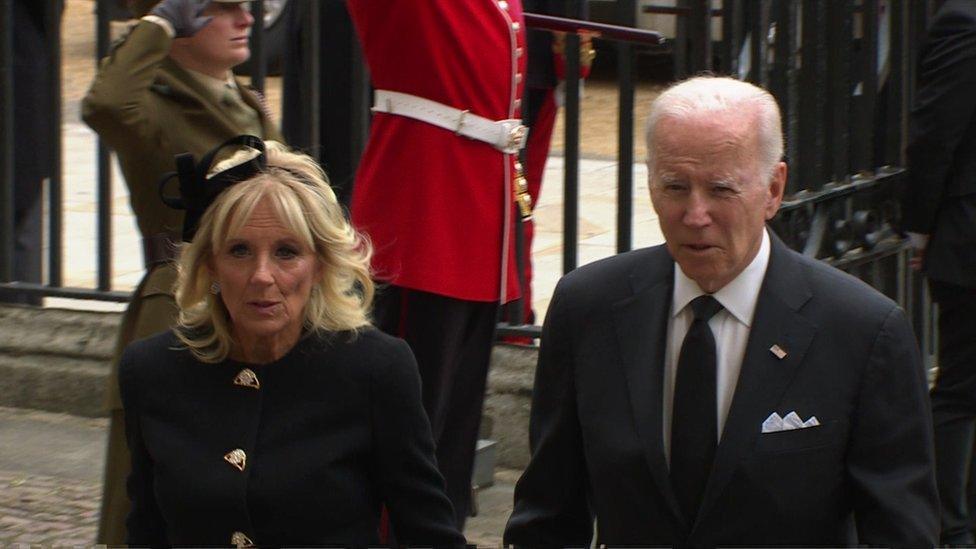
(148, 109)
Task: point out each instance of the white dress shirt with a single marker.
(730, 327)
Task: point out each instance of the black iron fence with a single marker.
(106, 12)
(843, 73)
(841, 69)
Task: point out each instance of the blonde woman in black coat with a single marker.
(274, 414)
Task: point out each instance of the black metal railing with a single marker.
(106, 11)
(6, 142)
(842, 73)
(624, 44)
(840, 69)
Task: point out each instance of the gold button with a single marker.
(237, 458)
(518, 78)
(518, 103)
(240, 540)
(519, 52)
(503, 4)
(247, 378)
(516, 26)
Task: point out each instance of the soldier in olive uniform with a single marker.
(167, 88)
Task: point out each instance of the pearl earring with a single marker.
(215, 287)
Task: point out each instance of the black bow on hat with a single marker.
(198, 191)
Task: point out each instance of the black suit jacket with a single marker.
(941, 194)
(335, 429)
(596, 425)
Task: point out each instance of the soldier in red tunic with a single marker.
(436, 192)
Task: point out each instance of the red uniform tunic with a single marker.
(438, 207)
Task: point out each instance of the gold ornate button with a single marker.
(516, 26)
(237, 458)
(519, 52)
(247, 378)
(503, 4)
(240, 540)
(518, 78)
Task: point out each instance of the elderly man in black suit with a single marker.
(722, 389)
(940, 214)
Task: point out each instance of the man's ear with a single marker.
(777, 186)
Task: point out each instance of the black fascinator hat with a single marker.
(199, 186)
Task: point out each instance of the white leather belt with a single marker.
(508, 136)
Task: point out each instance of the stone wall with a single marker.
(55, 360)
(508, 400)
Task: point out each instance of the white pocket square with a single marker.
(774, 423)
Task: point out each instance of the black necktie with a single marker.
(694, 425)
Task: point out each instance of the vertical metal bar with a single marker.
(902, 278)
(783, 79)
(104, 193)
(627, 16)
(865, 95)
(361, 101)
(752, 14)
(6, 141)
(811, 103)
(53, 24)
(896, 85)
(314, 71)
(259, 61)
(733, 33)
(791, 42)
(840, 21)
(917, 19)
(571, 154)
(699, 36)
(680, 44)
(877, 276)
(917, 24)
(727, 48)
(778, 58)
(763, 50)
(930, 337)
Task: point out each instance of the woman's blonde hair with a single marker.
(299, 192)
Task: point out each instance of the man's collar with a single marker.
(739, 296)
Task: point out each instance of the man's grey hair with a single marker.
(702, 95)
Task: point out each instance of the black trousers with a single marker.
(954, 406)
(452, 340)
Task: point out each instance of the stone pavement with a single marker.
(50, 483)
(50, 478)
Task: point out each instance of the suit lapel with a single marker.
(763, 377)
(641, 325)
